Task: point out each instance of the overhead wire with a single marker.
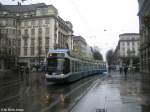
(82, 17)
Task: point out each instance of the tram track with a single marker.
(72, 91)
(84, 93)
(9, 82)
(88, 83)
(13, 83)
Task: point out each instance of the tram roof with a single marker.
(58, 50)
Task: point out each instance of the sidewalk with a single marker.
(7, 74)
(9, 77)
(117, 93)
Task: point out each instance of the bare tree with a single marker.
(19, 1)
(109, 57)
(96, 53)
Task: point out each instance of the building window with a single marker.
(25, 23)
(32, 51)
(40, 31)
(18, 51)
(33, 22)
(14, 42)
(14, 31)
(55, 38)
(32, 60)
(32, 31)
(32, 41)
(40, 51)
(123, 49)
(19, 42)
(10, 22)
(25, 42)
(47, 41)
(46, 50)
(14, 22)
(40, 41)
(39, 22)
(133, 49)
(132, 43)
(26, 32)
(47, 21)
(47, 31)
(19, 32)
(25, 51)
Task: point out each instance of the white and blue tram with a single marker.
(61, 67)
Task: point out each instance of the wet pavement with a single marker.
(117, 93)
(35, 95)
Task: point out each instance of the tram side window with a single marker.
(79, 66)
(76, 66)
(84, 66)
(66, 66)
(103, 66)
(89, 66)
(72, 62)
(93, 66)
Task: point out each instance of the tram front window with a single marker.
(57, 66)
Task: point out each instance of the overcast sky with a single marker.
(99, 21)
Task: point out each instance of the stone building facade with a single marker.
(38, 28)
(144, 23)
(81, 48)
(127, 49)
(8, 40)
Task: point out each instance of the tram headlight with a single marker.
(62, 74)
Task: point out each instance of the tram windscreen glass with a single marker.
(56, 54)
(57, 66)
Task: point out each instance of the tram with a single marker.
(62, 67)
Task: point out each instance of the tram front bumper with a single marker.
(56, 78)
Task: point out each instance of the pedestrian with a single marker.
(27, 73)
(125, 70)
(109, 69)
(121, 69)
(21, 69)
